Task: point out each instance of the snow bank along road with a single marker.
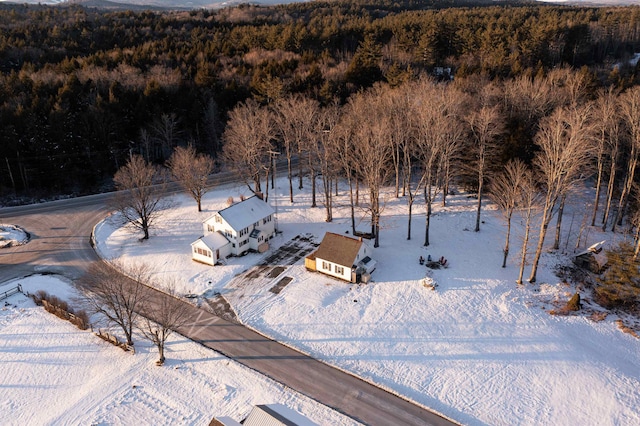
(60, 243)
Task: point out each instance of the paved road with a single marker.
(61, 244)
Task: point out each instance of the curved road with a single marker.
(60, 243)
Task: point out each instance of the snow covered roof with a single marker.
(276, 414)
(595, 248)
(224, 421)
(213, 241)
(338, 249)
(246, 213)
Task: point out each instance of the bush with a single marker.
(39, 296)
(80, 320)
(574, 303)
(61, 309)
(620, 283)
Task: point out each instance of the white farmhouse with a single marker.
(241, 227)
(342, 257)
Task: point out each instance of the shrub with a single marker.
(61, 309)
(81, 320)
(574, 303)
(39, 296)
(620, 283)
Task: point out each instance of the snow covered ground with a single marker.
(54, 374)
(479, 349)
(12, 235)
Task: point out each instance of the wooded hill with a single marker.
(81, 89)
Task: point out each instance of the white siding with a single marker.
(333, 269)
(201, 253)
(238, 236)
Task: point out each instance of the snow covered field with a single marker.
(55, 374)
(11, 235)
(479, 349)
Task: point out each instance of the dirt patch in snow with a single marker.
(221, 307)
(276, 289)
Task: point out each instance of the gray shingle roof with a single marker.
(339, 249)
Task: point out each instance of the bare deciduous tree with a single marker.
(485, 124)
(437, 129)
(146, 145)
(526, 101)
(606, 123)
(410, 155)
(248, 140)
(529, 203)
(398, 103)
(565, 144)
(372, 149)
(344, 137)
(450, 152)
(506, 189)
(165, 131)
(139, 198)
(328, 152)
(295, 119)
(115, 297)
(630, 111)
(614, 145)
(191, 170)
(163, 313)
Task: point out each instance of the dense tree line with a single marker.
(81, 90)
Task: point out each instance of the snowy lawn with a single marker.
(53, 374)
(11, 235)
(478, 349)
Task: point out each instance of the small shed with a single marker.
(592, 259)
(267, 415)
(276, 415)
(342, 257)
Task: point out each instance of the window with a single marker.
(202, 252)
(339, 270)
(210, 228)
(326, 266)
(255, 225)
(218, 219)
